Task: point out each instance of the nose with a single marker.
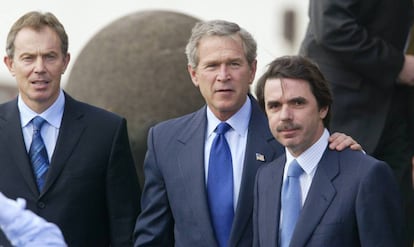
(285, 112)
(39, 65)
(223, 73)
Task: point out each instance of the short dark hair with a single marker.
(298, 67)
(36, 21)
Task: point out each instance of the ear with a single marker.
(66, 60)
(253, 67)
(323, 112)
(193, 74)
(8, 61)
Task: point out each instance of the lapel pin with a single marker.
(260, 157)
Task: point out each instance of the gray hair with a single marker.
(219, 28)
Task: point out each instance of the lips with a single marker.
(224, 90)
(39, 84)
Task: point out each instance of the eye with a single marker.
(50, 56)
(273, 105)
(298, 102)
(210, 66)
(27, 58)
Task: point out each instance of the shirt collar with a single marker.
(53, 115)
(309, 159)
(239, 121)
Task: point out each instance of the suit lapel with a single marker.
(67, 139)
(190, 159)
(320, 196)
(11, 133)
(261, 148)
(271, 207)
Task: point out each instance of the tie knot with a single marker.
(295, 170)
(222, 128)
(38, 122)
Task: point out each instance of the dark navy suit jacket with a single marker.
(174, 204)
(91, 191)
(353, 201)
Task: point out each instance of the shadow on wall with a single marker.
(136, 67)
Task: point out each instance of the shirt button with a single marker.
(41, 205)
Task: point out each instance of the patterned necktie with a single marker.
(38, 153)
(220, 185)
(291, 203)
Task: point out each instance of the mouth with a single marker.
(224, 91)
(39, 84)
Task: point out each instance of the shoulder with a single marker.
(357, 157)
(8, 107)
(361, 165)
(182, 123)
(88, 111)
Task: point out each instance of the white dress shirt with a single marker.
(308, 160)
(237, 140)
(50, 129)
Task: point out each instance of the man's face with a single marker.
(223, 74)
(38, 65)
(294, 117)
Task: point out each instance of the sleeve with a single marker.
(123, 190)
(155, 224)
(24, 228)
(379, 208)
(338, 27)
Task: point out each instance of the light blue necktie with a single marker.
(291, 202)
(38, 153)
(220, 185)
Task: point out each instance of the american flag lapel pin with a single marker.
(260, 157)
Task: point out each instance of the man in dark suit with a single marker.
(359, 46)
(345, 198)
(89, 185)
(175, 205)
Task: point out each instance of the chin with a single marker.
(289, 144)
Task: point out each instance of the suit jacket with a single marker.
(353, 201)
(359, 47)
(91, 191)
(175, 210)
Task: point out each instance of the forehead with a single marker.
(216, 47)
(44, 39)
(276, 88)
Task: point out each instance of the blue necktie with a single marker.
(220, 185)
(291, 203)
(38, 153)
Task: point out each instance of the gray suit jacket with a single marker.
(353, 201)
(91, 191)
(174, 202)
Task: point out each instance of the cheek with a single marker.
(273, 120)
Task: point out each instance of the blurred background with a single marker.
(278, 26)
